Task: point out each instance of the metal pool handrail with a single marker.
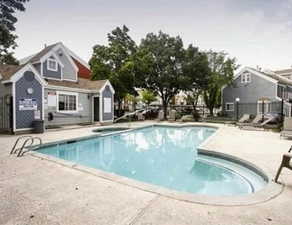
(25, 145)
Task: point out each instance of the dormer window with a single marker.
(245, 78)
(52, 64)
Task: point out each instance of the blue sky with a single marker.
(256, 32)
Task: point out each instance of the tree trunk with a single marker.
(164, 105)
(211, 109)
(119, 107)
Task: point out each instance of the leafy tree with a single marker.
(7, 27)
(148, 97)
(196, 67)
(221, 72)
(133, 99)
(158, 66)
(112, 62)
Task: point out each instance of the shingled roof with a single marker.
(281, 79)
(7, 71)
(39, 55)
(286, 71)
(80, 84)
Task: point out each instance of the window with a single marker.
(229, 106)
(52, 64)
(67, 102)
(245, 78)
(282, 92)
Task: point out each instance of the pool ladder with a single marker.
(26, 145)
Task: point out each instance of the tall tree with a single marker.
(221, 72)
(158, 66)
(196, 67)
(112, 62)
(7, 26)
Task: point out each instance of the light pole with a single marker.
(237, 108)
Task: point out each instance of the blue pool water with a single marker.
(161, 155)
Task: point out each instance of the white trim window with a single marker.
(246, 77)
(52, 64)
(67, 102)
(229, 106)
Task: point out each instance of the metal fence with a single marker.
(202, 110)
(279, 108)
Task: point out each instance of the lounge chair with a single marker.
(286, 162)
(267, 119)
(254, 122)
(287, 127)
(245, 118)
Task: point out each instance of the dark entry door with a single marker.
(96, 109)
(6, 112)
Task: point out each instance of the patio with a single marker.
(37, 191)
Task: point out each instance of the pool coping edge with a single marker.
(270, 191)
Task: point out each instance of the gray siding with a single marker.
(69, 72)
(107, 94)
(25, 118)
(51, 74)
(248, 93)
(5, 89)
(82, 116)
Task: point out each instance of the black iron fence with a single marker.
(201, 110)
(234, 113)
(277, 108)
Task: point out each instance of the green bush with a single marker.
(178, 115)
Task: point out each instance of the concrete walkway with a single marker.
(36, 191)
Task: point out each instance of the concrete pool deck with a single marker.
(36, 191)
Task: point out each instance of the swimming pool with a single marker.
(162, 155)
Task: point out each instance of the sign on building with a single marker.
(28, 104)
(52, 99)
(107, 105)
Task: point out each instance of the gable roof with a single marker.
(283, 72)
(279, 78)
(42, 53)
(7, 71)
(84, 82)
(11, 73)
(94, 85)
(255, 72)
(268, 75)
(79, 64)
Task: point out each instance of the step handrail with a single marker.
(132, 113)
(14, 149)
(21, 152)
